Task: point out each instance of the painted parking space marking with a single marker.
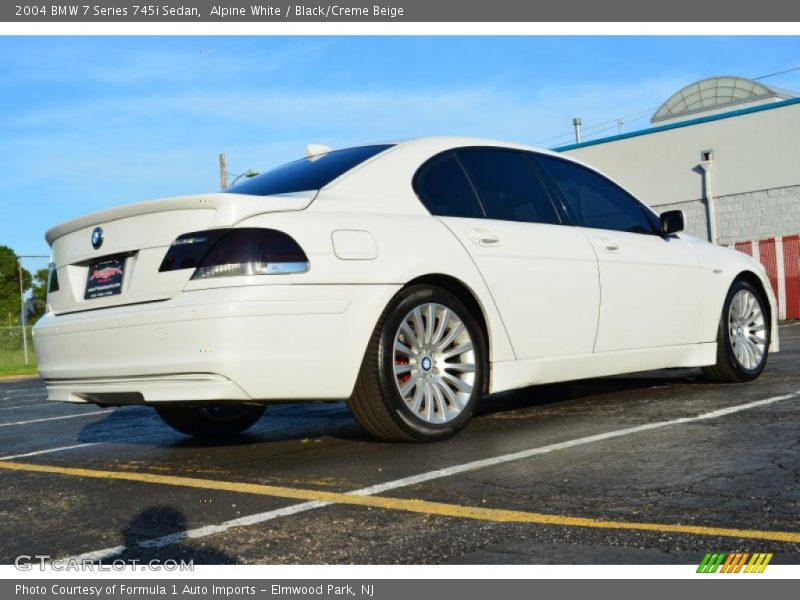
(50, 450)
(317, 499)
(24, 389)
(11, 398)
(200, 532)
(26, 406)
(88, 414)
(407, 505)
(204, 531)
(123, 440)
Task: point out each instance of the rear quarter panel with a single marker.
(408, 246)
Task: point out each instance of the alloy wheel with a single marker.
(746, 327)
(434, 363)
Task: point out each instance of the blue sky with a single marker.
(90, 122)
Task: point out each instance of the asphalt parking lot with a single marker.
(653, 468)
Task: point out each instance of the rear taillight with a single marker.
(236, 252)
(188, 250)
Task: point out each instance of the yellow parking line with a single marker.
(409, 505)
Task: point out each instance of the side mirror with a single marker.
(671, 222)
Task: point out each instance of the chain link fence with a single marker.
(12, 350)
(19, 311)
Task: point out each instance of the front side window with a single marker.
(443, 187)
(307, 174)
(508, 185)
(594, 201)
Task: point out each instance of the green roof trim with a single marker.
(687, 123)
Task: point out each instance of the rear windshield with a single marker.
(307, 173)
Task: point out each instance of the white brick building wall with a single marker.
(755, 173)
(747, 216)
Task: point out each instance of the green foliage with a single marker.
(12, 356)
(9, 286)
(11, 338)
(38, 295)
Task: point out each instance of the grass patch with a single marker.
(12, 362)
(12, 356)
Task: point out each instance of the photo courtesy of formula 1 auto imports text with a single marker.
(399, 299)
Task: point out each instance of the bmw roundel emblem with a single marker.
(97, 237)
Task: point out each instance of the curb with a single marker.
(18, 377)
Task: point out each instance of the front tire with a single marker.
(743, 337)
(424, 370)
(211, 421)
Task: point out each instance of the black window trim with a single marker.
(561, 212)
(471, 183)
(556, 197)
(646, 211)
(424, 165)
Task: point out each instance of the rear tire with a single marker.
(424, 370)
(743, 336)
(211, 421)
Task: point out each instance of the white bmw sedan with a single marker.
(408, 278)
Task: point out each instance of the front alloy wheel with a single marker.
(744, 336)
(746, 329)
(424, 370)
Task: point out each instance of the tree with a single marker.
(9, 286)
(38, 300)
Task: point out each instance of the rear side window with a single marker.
(306, 174)
(443, 187)
(508, 185)
(593, 200)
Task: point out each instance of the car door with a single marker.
(542, 275)
(650, 285)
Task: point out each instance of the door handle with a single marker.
(482, 237)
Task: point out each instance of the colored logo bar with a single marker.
(734, 562)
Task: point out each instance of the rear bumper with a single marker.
(249, 343)
(197, 387)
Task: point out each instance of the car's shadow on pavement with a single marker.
(315, 420)
(281, 423)
(584, 389)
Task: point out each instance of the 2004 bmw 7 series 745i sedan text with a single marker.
(409, 278)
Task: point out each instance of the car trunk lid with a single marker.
(139, 235)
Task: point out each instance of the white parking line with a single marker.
(207, 530)
(50, 450)
(20, 389)
(20, 396)
(27, 406)
(89, 414)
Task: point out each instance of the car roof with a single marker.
(395, 167)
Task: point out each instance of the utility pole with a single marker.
(576, 123)
(22, 310)
(223, 172)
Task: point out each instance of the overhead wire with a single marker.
(589, 131)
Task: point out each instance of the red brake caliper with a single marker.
(402, 360)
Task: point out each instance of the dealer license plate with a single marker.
(105, 278)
